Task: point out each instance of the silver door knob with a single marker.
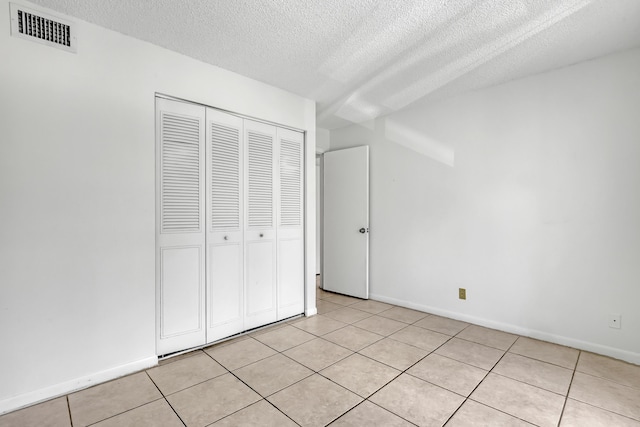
(362, 230)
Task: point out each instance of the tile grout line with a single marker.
(385, 409)
(483, 379)
(124, 412)
(265, 397)
(573, 374)
(69, 410)
(165, 398)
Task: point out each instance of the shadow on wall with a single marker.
(419, 142)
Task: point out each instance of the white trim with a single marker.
(233, 113)
(311, 311)
(616, 353)
(60, 389)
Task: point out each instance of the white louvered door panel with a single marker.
(260, 230)
(225, 242)
(180, 230)
(290, 231)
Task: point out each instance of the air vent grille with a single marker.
(37, 26)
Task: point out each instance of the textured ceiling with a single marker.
(360, 59)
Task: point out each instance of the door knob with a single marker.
(362, 230)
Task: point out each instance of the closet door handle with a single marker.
(226, 237)
(261, 234)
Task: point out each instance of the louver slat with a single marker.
(225, 177)
(260, 177)
(180, 186)
(290, 182)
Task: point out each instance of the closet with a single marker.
(229, 224)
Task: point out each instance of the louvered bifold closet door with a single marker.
(180, 226)
(260, 225)
(225, 293)
(290, 231)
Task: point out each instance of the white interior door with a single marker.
(290, 231)
(346, 222)
(180, 229)
(225, 231)
(260, 225)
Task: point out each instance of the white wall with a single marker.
(526, 194)
(77, 292)
(322, 140)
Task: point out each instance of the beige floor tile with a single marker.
(267, 329)
(157, 413)
(469, 352)
(489, 337)
(353, 338)
(534, 372)
(284, 338)
(229, 341)
(447, 373)
(261, 414)
(318, 354)
(370, 415)
(380, 325)
(371, 306)
(441, 324)
(394, 353)
(340, 299)
(606, 394)
(212, 400)
(272, 374)
(578, 414)
(348, 315)
(360, 374)
(185, 373)
(529, 403)
(318, 325)
(474, 414)
(419, 337)
(52, 413)
(326, 306)
(314, 401)
(106, 400)
(241, 353)
(402, 314)
(611, 369)
(546, 352)
(417, 401)
(172, 359)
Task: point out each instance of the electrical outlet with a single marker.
(462, 293)
(615, 321)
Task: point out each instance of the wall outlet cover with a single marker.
(615, 321)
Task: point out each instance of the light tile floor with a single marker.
(362, 363)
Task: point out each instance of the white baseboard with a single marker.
(616, 353)
(27, 399)
(311, 312)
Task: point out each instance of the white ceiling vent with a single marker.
(40, 27)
